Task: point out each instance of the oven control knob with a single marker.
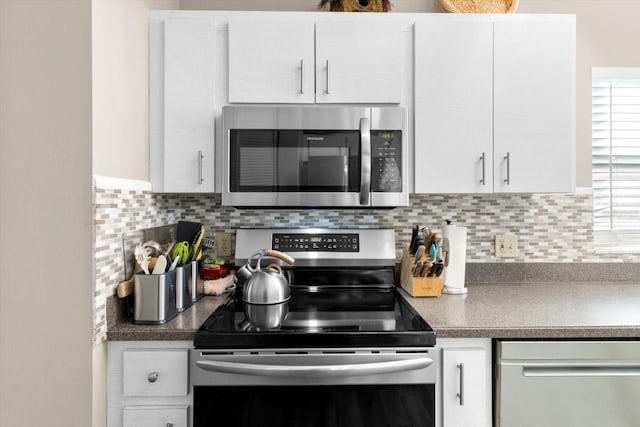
(152, 377)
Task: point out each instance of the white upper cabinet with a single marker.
(453, 107)
(182, 70)
(534, 106)
(358, 62)
(305, 62)
(271, 62)
(495, 104)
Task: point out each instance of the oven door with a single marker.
(331, 388)
(313, 156)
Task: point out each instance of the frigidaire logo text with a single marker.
(315, 138)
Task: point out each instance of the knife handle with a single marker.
(417, 268)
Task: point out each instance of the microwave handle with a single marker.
(365, 161)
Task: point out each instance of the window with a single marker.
(616, 157)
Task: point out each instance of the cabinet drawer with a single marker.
(155, 372)
(155, 416)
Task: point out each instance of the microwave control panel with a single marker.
(386, 159)
(324, 242)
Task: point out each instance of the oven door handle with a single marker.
(311, 371)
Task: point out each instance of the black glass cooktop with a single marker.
(318, 316)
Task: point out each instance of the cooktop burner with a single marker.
(338, 317)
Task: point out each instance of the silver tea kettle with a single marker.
(268, 285)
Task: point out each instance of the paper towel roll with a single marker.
(456, 237)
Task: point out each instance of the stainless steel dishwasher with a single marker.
(567, 383)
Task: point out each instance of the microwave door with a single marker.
(365, 161)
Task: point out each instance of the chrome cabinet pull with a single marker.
(581, 370)
(365, 161)
(461, 394)
(302, 76)
(327, 77)
(507, 158)
(152, 377)
(482, 181)
(200, 161)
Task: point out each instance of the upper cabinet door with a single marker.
(188, 143)
(358, 62)
(534, 105)
(271, 62)
(453, 106)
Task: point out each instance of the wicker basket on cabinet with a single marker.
(479, 6)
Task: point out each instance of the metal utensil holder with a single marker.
(155, 298)
(184, 283)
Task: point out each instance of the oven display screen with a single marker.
(349, 242)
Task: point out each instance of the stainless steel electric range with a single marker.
(345, 350)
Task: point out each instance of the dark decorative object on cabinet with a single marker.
(357, 5)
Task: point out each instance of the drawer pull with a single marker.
(152, 377)
(169, 424)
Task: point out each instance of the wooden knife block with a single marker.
(418, 286)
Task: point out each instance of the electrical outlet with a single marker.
(506, 246)
(223, 244)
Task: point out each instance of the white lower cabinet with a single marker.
(155, 416)
(147, 384)
(465, 396)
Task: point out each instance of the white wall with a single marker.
(120, 38)
(46, 293)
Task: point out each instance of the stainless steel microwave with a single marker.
(314, 156)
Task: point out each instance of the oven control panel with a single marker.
(323, 242)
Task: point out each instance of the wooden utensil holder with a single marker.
(418, 286)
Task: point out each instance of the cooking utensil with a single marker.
(142, 257)
(180, 252)
(153, 248)
(417, 268)
(195, 245)
(169, 248)
(161, 265)
(187, 231)
(265, 286)
(174, 264)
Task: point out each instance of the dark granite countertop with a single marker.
(182, 327)
(536, 310)
(504, 310)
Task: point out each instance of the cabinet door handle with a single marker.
(169, 424)
(508, 159)
(301, 76)
(327, 77)
(482, 181)
(152, 377)
(200, 161)
(461, 394)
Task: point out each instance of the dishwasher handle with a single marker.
(314, 371)
(581, 370)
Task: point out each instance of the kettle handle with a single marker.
(275, 267)
(281, 256)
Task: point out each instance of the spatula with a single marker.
(161, 265)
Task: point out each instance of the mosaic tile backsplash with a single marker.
(551, 228)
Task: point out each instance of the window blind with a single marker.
(616, 153)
